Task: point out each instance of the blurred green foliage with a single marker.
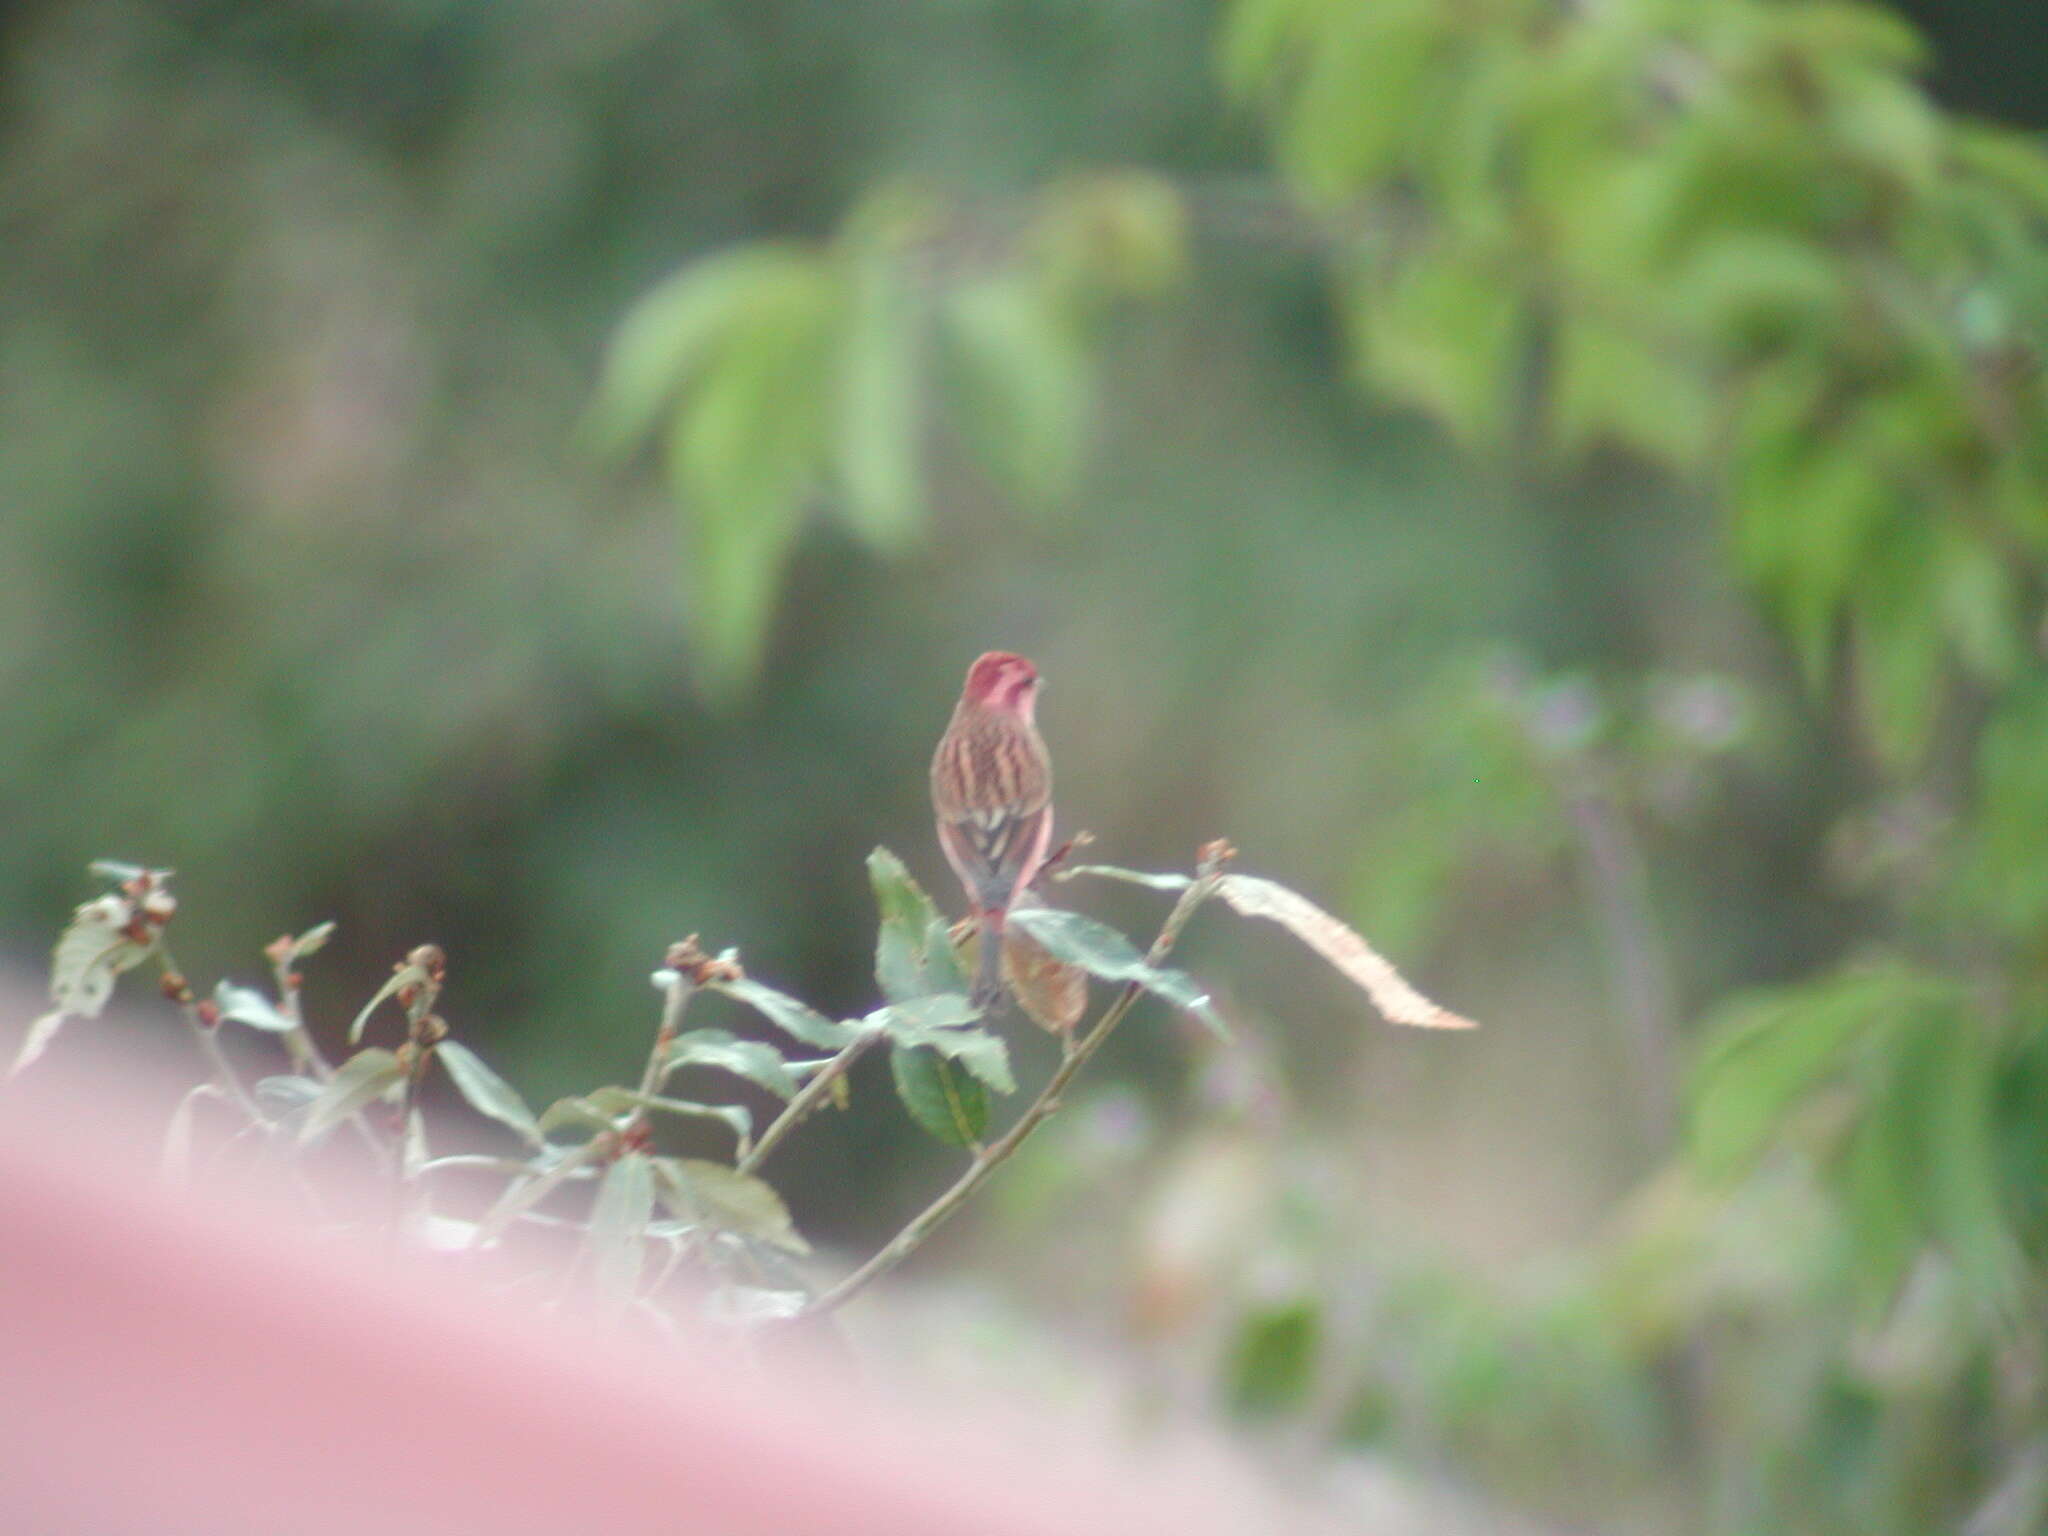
(994, 325)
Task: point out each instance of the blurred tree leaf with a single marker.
(879, 404)
(245, 1005)
(487, 1093)
(1020, 384)
(1273, 1360)
(794, 1018)
(1123, 234)
(675, 332)
(588, 1113)
(177, 1153)
(616, 1242)
(746, 452)
(1445, 332)
(2002, 877)
(755, 1060)
(728, 1200)
(613, 1101)
(366, 1076)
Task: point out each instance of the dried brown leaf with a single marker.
(1052, 993)
(1343, 946)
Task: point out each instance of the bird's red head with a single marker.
(1002, 680)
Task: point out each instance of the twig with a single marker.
(807, 1098)
(998, 1152)
(673, 1003)
(308, 1056)
(207, 1035)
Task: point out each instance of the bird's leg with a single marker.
(988, 978)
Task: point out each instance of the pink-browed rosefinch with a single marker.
(992, 792)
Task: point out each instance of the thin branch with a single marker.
(807, 1098)
(207, 1036)
(677, 999)
(309, 1058)
(998, 1152)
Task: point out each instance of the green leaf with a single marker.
(878, 412)
(616, 1242)
(755, 1060)
(1898, 645)
(1765, 1053)
(737, 1116)
(1943, 1081)
(669, 336)
(1273, 1359)
(1103, 952)
(745, 452)
(731, 1201)
(311, 941)
(593, 1112)
(1877, 1188)
(1445, 332)
(796, 1019)
(1120, 234)
(1363, 86)
(488, 1093)
(289, 1092)
(914, 955)
(1751, 290)
(245, 1005)
(1258, 38)
(1020, 385)
(941, 1010)
(946, 1101)
(942, 1023)
(1979, 609)
(1810, 506)
(365, 1076)
(2005, 877)
(94, 949)
(2010, 161)
(1614, 385)
(978, 1051)
(407, 975)
(36, 1039)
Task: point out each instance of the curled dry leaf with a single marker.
(100, 943)
(1343, 946)
(1052, 993)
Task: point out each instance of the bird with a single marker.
(992, 798)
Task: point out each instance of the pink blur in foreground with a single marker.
(173, 1364)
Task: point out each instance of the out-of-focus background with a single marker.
(1374, 486)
